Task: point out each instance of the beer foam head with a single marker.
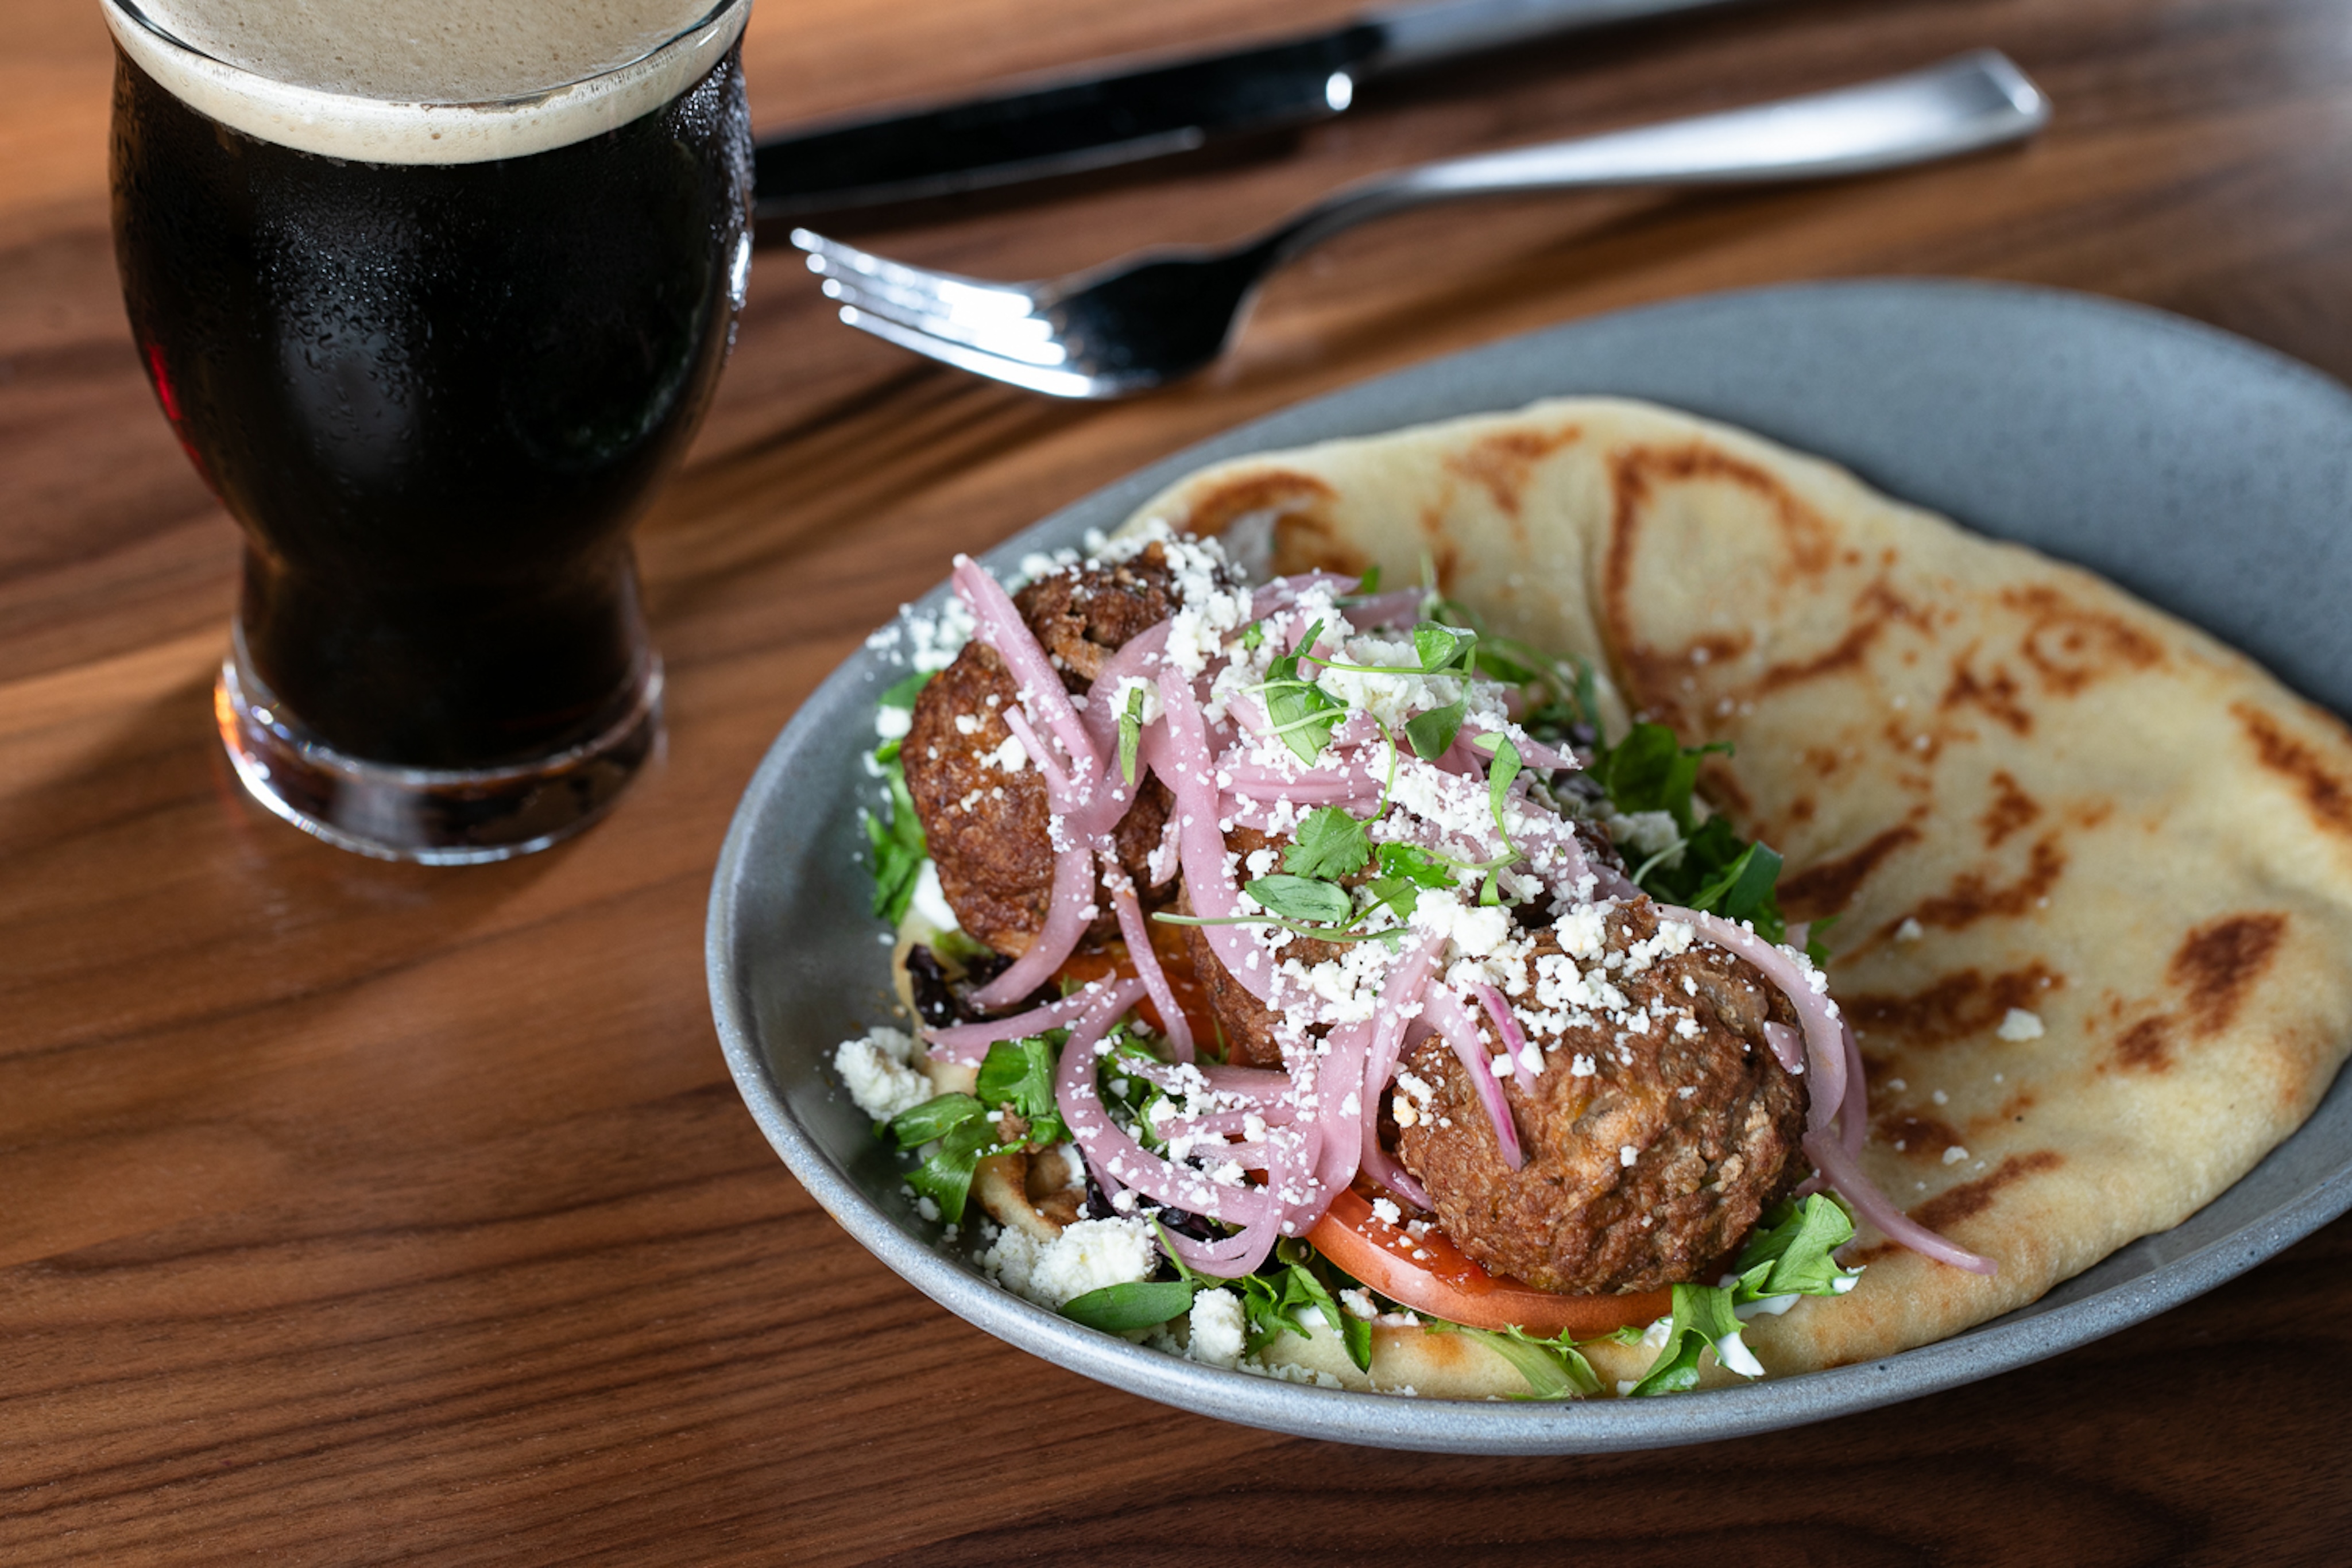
(425, 81)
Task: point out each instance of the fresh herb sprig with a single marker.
(896, 849)
(1790, 1255)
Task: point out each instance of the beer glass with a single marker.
(432, 308)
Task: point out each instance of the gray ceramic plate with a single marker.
(2207, 475)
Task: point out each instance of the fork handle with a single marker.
(1974, 100)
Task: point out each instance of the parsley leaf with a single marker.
(1300, 898)
(1130, 733)
(1329, 843)
(1650, 770)
(1702, 1320)
(1118, 1309)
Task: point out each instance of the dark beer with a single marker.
(435, 395)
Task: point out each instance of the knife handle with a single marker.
(1423, 35)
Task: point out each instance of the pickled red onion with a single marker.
(1460, 1031)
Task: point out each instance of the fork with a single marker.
(1133, 324)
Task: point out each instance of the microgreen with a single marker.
(1301, 898)
(1137, 1304)
(1432, 732)
(1301, 712)
(1404, 871)
(1252, 635)
(1499, 774)
(1130, 733)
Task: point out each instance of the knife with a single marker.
(1114, 115)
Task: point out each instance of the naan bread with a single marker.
(2092, 869)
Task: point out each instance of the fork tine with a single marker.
(979, 361)
(953, 291)
(1029, 339)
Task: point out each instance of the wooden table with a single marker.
(355, 1213)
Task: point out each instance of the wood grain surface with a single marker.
(354, 1213)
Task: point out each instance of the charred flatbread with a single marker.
(2091, 870)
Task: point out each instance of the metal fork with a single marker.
(1126, 327)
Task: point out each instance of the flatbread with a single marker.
(2092, 869)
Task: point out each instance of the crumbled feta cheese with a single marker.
(1955, 1155)
(1387, 1210)
(1011, 757)
(1086, 1256)
(1910, 930)
(1627, 1154)
(874, 1069)
(1219, 1335)
(2020, 1024)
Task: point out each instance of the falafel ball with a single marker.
(1650, 1154)
(987, 824)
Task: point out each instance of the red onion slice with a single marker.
(1191, 774)
(1066, 919)
(1111, 1153)
(967, 1043)
(1460, 1031)
(1179, 1028)
(1514, 1037)
(1828, 1152)
(1824, 1042)
(1788, 1046)
(999, 625)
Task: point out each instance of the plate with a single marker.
(2208, 475)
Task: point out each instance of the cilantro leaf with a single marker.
(1130, 733)
(1702, 1320)
(1329, 843)
(1404, 871)
(1300, 898)
(1429, 734)
(1118, 1309)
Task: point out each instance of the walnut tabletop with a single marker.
(359, 1213)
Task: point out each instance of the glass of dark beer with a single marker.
(434, 292)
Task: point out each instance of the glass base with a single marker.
(430, 815)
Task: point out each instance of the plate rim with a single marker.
(2017, 1339)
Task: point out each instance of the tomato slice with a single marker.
(1430, 1274)
(1111, 959)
